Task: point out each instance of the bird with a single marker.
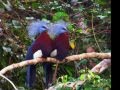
(61, 41)
(40, 47)
(60, 35)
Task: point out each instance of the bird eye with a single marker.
(64, 28)
(44, 27)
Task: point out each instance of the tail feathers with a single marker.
(48, 74)
(31, 75)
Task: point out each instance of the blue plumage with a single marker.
(59, 40)
(60, 35)
(55, 29)
(37, 27)
(43, 43)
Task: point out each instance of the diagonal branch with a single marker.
(53, 60)
(103, 65)
(9, 81)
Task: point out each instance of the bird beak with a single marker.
(72, 44)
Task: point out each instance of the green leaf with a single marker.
(88, 88)
(71, 27)
(82, 77)
(79, 30)
(89, 77)
(60, 16)
(91, 73)
(97, 76)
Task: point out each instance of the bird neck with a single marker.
(41, 42)
(63, 34)
(44, 32)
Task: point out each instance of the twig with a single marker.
(94, 35)
(55, 73)
(53, 60)
(9, 81)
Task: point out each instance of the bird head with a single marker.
(37, 27)
(55, 29)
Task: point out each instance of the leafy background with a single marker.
(90, 26)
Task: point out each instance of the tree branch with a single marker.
(9, 81)
(103, 65)
(53, 60)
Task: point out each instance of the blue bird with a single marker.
(40, 47)
(61, 43)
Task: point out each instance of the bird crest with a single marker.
(37, 27)
(57, 28)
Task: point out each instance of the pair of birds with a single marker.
(51, 40)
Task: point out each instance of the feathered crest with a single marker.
(37, 27)
(61, 22)
(57, 28)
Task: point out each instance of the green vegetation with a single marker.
(89, 26)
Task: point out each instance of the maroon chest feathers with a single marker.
(62, 41)
(43, 42)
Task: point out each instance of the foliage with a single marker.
(92, 81)
(14, 40)
(60, 16)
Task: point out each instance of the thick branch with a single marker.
(53, 60)
(103, 65)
